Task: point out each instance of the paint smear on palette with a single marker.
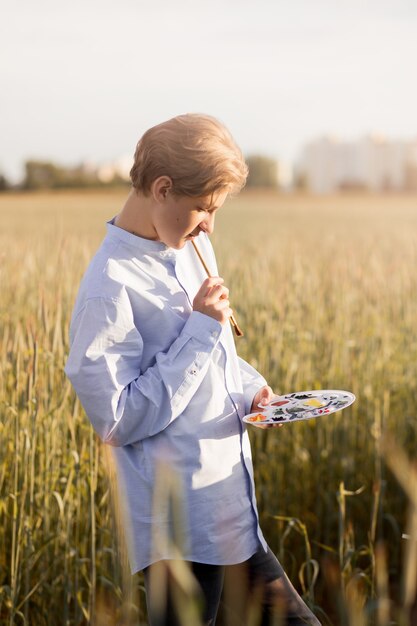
(314, 402)
(259, 417)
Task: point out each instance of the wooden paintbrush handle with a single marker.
(235, 326)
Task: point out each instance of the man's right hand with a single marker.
(212, 299)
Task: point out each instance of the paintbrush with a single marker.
(236, 328)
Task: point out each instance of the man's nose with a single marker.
(208, 223)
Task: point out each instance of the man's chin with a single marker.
(179, 245)
(182, 242)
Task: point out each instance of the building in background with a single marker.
(372, 163)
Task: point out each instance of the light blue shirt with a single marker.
(163, 384)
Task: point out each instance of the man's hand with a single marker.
(212, 299)
(263, 396)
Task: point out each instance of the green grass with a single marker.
(325, 291)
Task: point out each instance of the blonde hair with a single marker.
(196, 151)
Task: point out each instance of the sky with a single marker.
(82, 80)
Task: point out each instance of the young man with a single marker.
(154, 364)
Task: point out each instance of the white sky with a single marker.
(83, 79)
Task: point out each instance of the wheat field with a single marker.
(325, 290)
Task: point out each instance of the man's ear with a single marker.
(161, 187)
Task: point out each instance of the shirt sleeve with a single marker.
(123, 403)
(252, 381)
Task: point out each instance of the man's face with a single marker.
(181, 218)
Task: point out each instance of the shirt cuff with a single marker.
(204, 328)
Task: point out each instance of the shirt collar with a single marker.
(141, 245)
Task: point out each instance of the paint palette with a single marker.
(301, 405)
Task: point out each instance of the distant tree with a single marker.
(263, 171)
(4, 183)
(48, 175)
(40, 175)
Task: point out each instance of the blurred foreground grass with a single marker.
(325, 291)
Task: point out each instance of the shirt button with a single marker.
(193, 372)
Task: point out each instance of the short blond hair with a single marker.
(196, 151)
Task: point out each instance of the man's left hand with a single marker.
(263, 396)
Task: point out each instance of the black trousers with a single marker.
(256, 591)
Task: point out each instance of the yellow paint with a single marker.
(314, 402)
